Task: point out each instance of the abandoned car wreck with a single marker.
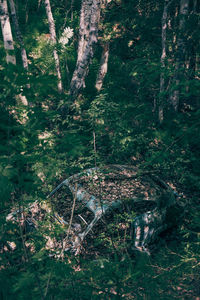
(91, 200)
(108, 188)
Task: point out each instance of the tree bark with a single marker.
(52, 31)
(181, 54)
(195, 6)
(88, 34)
(162, 60)
(8, 40)
(19, 35)
(103, 68)
(7, 33)
(21, 43)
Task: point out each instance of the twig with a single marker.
(95, 150)
(70, 222)
(48, 281)
(21, 215)
(72, 213)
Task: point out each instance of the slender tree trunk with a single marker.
(194, 5)
(8, 39)
(52, 31)
(197, 58)
(21, 43)
(181, 53)
(39, 2)
(103, 68)
(7, 33)
(19, 35)
(162, 60)
(84, 29)
(72, 10)
(88, 34)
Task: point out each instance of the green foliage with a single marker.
(51, 139)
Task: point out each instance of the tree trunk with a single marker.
(88, 33)
(181, 53)
(162, 60)
(8, 40)
(84, 29)
(52, 31)
(18, 34)
(195, 6)
(103, 67)
(7, 33)
(72, 11)
(21, 43)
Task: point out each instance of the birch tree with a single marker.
(8, 39)
(88, 35)
(18, 34)
(103, 68)
(7, 33)
(181, 53)
(163, 59)
(52, 31)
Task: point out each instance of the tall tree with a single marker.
(8, 39)
(180, 53)
(162, 60)
(103, 68)
(88, 34)
(18, 34)
(52, 31)
(7, 33)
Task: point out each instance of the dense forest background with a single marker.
(130, 97)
